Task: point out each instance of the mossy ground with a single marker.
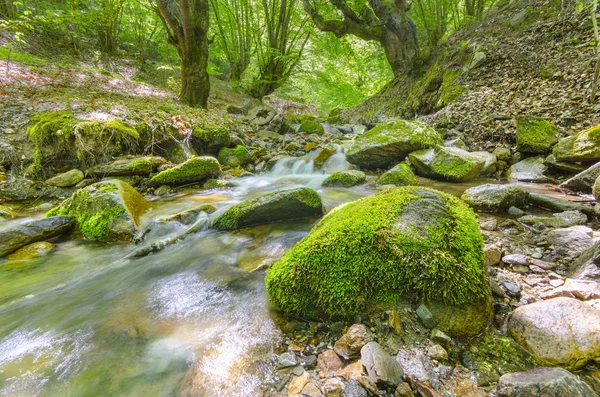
(357, 257)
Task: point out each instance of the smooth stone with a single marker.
(584, 181)
(33, 250)
(287, 359)
(67, 179)
(515, 259)
(22, 234)
(381, 367)
(425, 316)
(495, 198)
(573, 240)
(532, 169)
(514, 211)
(542, 382)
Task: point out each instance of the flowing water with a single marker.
(192, 319)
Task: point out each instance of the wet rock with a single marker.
(349, 345)
(532, 169)
(163, 190)
(381, 367)
(490, 165)
(564, 166)
(584, 146)
(584, 181)
(390, 143)
(558, 332)
(333, 387)
(450, 164)
(557, 204)
(22, 189)
(514, 211)
(345, 179)
(495, 198)
(425, 317)
(297, 384)
(573, 240)
(308, 361)
(542, 382)
(22, 234)
(274, 207)
(107, 211)
(196, 169)
(558, 220)
(328, 363)
(493, 255)
(30, 251)
(127, 167)
(66, 179)
(234, 157)
(515, 259)
(587, 265)
(399, 175)
(535, 135)
(287, 359)
(7, 212)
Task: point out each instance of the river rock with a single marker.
(196, 169)
(30, 251)
(584, 146)
(452, 164)
(556, 204)
(564, 166)
(584, 181)
(66, 179)
(127, 167)
(587, 265)
(285, 205)
(311, 127)
(532, 169)
(389, 143)
(14, 237)
(558, 332)
(329, 363)
(7, 212)
(558, 220)
(109, 210)
(490, 165)
(495, 198)
(349, 345)
(23, 189)
(399, 175)
(542, 382)
(210, 140)
(234, 157)
(456, 143)
(381, 367)
(572, 240)
(345, 179)
(380, 241)
(535, 135)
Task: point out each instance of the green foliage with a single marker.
(356, 257)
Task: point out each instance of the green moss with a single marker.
(210, 139)
(449, 89)
(345, 179)
(447, 163)
(217, 184)
(357, 256)
(120, 128)
(311, 127)
(535, 135)
(196, 169)
(400, 175)
(234, 157)
(584, 146)
(48, 131)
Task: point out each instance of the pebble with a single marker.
(515, 259)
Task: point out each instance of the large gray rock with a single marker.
(495, 198)
(532, 169)
(15, 237)
(571, 241)
(390, 143)
(381, 367)
(274, 207)
(22, 189)
(452, 164)
(584, 181)
(128, 166)
(558, 332)
(542, 382)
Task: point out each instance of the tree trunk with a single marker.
(195, 81)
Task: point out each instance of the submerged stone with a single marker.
(31, 251)
(108, 210)
(274, 207)
(543, 382)
(389, 143)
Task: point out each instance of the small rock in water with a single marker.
(426, 317)
(514, 211)
(381, 367)
(31, 251)
(287, 359)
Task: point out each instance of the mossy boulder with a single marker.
(324, 154)
(311, 127)
(66, 179)
(234, 157)
(210, 140)
(532, 169)
(108, 210)
(584, 146)
(128, 166)
(390, 143)
(400, 175)
(196, 169)
(535, 135)
(452, 164)
(405, 242)
(495, 198)
(274, 207)
(345, 179)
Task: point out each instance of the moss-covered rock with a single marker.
(234, 157)
(584, 146)
(311, 127)
(108, 210)
(452, 164)
(210, 140)
(128, 166)
(401, 242)
(66, 179)
(345, 179)
(535, 135)
(274, 207)
(218, 184)
(30, 251)
(400, 175)
(495, 198)
(196, 169)
(389, 143)
(324, 154)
